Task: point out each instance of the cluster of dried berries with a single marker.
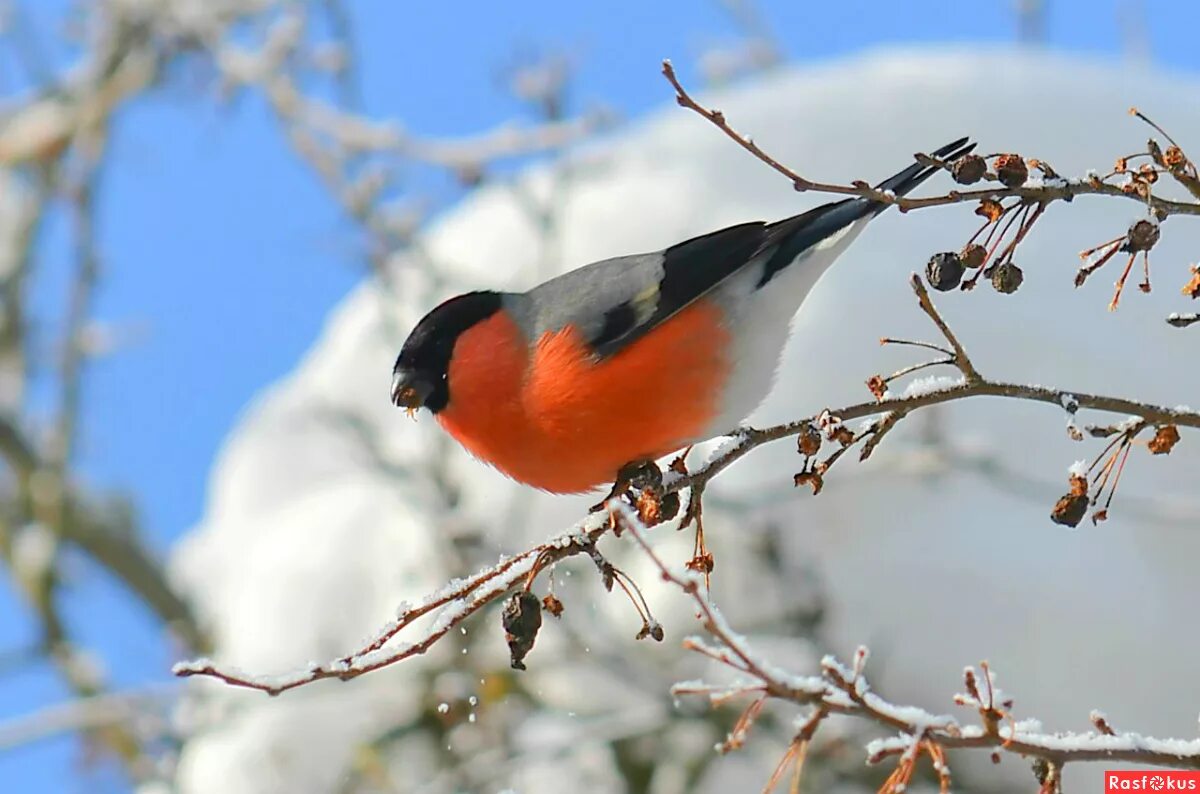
(1139, 238)
(809, 440)
(1142, 235)
(1106, 469)
(990, 255)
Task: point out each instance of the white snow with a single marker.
(932, 383)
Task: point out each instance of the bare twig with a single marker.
(843, 690)
(1050, 190)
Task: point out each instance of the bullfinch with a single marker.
(627, 359)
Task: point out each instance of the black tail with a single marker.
(908, 179)
(797, 234)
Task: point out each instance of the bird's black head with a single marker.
(420, 378)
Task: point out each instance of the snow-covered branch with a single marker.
(843, 689)
(653, 498)
(452, 605)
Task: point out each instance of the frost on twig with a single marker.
(844, 689)
(448, 607)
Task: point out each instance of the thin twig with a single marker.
(840, 690)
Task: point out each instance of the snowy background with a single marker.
(926, 553)
(326, 508)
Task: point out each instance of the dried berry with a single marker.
(877, 386)
(973, 256)
(944, 271)
(650, 629)
(1011, 170)
(1007, 278)
(1174, 157)
(811, 479)
(649, 507)
(810, 440)
(553, 605)
(968, 170)
(991, 209)
(1141, 236)
(522, 617)
(1192, 288)
(1070, 509)
(1165, 438)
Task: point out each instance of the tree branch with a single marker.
(1050, 190)
(843, 690)
(460, 600)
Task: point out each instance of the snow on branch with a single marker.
(843, 689)
(654, 496)
(452, 605)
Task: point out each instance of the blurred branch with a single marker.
(86, 714)
(107, 535)
(335, 140)
(757, 50)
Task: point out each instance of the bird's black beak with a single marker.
(409, 391)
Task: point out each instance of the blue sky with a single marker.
(223, 255)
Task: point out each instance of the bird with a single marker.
(627, 360)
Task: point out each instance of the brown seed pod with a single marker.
(1165, 439)
(668, 505)
(968, 170)
(1007, 278)
(973, 256)
(944, 271)
(1070, 509)
(522, 617)
(1192, 288)
(810, 440)
(1011, 170)
(878, 386)
(810, 478)
(842, 435)
(649, 507)
(1142, 236)
(652, 630)
(553, 605)
(991, 209)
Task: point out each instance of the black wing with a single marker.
(694, 267)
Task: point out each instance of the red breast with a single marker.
(561, 419)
